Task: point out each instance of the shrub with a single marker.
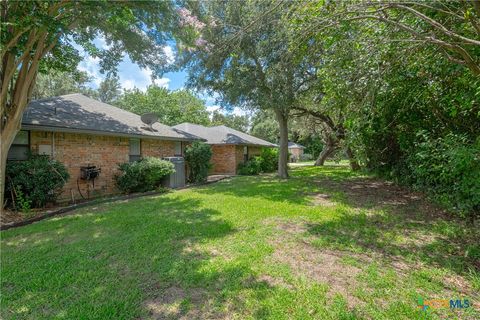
(35, 181)
(143, 175)
(269, 159)
(252, 167)
(448, 168)
(197, 156)
(306, 157)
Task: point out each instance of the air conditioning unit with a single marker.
(176, 179)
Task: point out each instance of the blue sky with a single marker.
(131, 75)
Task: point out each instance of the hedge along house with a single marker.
(82, 132)
(230, 147)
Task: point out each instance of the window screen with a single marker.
(20, 146)
(135, 150)
(245, 154)
(178, 148)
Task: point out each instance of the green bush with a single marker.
(269, 158)
(143, 175)
(35, 181)
(252, 167)
(197, 156)
(449, 169)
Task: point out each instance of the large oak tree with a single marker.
(241, 50)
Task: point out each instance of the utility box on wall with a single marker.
(176, 179)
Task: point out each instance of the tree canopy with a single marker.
(171, 107)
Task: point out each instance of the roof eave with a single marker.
(104, 133)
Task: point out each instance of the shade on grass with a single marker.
(325, 244)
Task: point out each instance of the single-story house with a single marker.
(295, 150)
(80, 131)
(230, 147)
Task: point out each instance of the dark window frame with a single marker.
(245, 154)
(134, 157)
(27, 145)
(181, 149)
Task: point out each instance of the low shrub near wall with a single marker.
(197, 156)
(266, 162)
(252, 167)
(143, 175)
(269, 158)
(34, 182)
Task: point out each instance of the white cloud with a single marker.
(91, 66)
(142, 79)
(239, 112)
(162, 82)
(127, 84)
(169, 54)
(101, 43)
(130, 74)
(212, 108)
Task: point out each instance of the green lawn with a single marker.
(326, 244)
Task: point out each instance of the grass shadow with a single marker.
(143, 258)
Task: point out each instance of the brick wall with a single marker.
(295, 154)
(226, 158)
(223, 159)
(76, 150)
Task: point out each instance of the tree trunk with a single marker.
(6, 138)
(283, 150)
(354, 166)
(326, 152)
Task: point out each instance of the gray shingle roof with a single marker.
(222, 135)
(78, 113)
(295, 145)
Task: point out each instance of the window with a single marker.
(245, 154)
(20, 146)
(178, 148)
(135, 150)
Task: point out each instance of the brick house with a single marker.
(230, 147)
(80, 131)
(295, 150)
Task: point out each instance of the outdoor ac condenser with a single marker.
(176, 179)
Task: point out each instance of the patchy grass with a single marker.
(325, 244)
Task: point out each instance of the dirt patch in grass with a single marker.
(175, 302)
(321, 265)
(321, 199)
(369, 193)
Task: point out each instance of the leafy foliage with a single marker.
(269, 157)
(143, 175)
(56, 83)
(448, 168)
(109, 89)
(171, 107)
(234, 121)
(197, 156)
(36, 181)
(267, 161)
(251, 167)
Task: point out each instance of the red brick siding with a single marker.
(157, 148)
(295, 153)
(106, 152)
(226, 158)
(223, 159)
